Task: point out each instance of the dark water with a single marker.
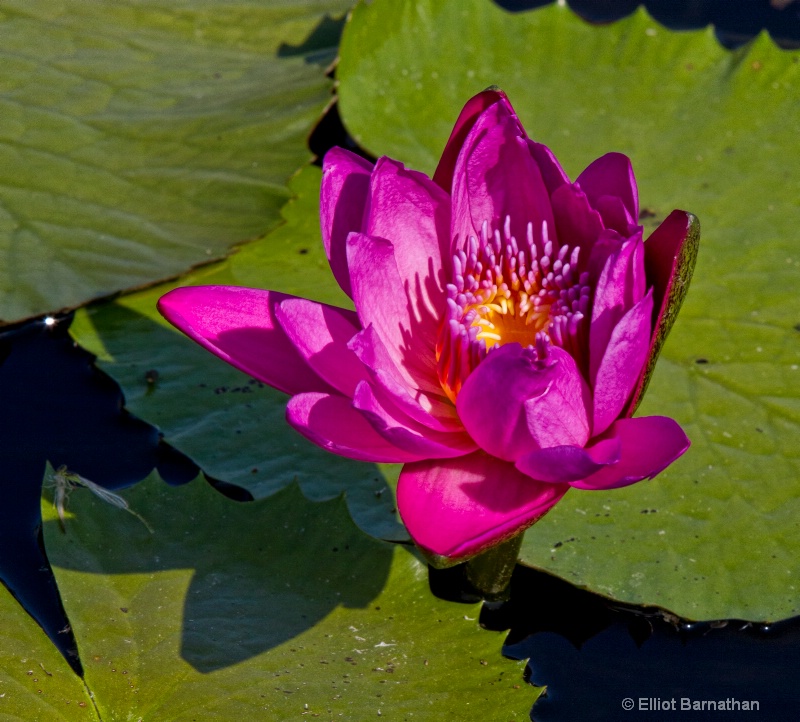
(735, 21)
(594, 655)
(57, 407)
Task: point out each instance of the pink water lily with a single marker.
(506, 323)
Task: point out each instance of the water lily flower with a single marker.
(506, 323)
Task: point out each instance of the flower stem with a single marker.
(489, 573)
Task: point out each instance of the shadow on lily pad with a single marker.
(320, 44)
(259, 574)
(231, 425)
(59, 408)
(260, 577)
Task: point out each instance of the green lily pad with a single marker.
(36, 683)
(230, 425)
(139, 140)
(268, 610)
(712, 132)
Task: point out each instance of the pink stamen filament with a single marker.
(503, 293)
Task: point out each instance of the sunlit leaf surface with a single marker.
(709, 131)
(138, 139)
(268, 610)
(36, 683)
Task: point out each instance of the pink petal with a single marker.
(611, 175)
(560, 464)
(403, 432)
(239, 326)
(343, 198)
(410, 210)
(577, 223)
(662, 254)
(621, 285)
(561, 414)
(459, 507)
(649, 445)
(383, 300)
(615, 215)
(320, 333)
(475, 106)
(553, 174)
(622, 364)
(607, 245)
(513, 403)
(430, 409)
(495, 177)
(670, 254)
(331, 422)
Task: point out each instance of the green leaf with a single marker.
(708, 131)
(233, 427)
(137, 140)
(266, 610)
(35, 680)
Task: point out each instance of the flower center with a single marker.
(502, 292)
